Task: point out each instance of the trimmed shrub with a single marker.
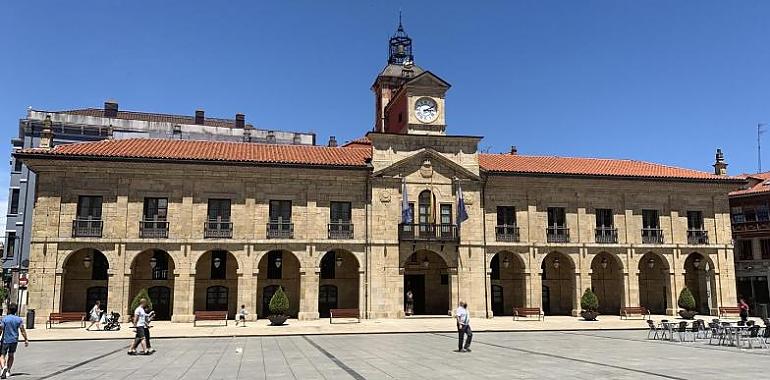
(686, 300)
(589, 301)
(279, 304)
(135, 303)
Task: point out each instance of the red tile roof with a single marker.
(208, 151)
(361, 142)
(758, 183)
(153, 117)
(514, 163)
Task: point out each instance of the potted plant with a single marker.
(687, 302)
(135, 303)
(279, 305)
(589, 303)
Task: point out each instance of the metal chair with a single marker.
(754, 337)
(653, 329)
(717, 333)
(682, 330)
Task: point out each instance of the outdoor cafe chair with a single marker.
(682, 330)
(703, 331)
(766, 334)
(717, 333)
(753, 337)
(653, 329)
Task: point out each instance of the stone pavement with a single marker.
(496, 355)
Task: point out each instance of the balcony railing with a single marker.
(155, 229)
(652, 236)
(215, 229)
(557, 234)
(606, 235)
(160, 274)
(697, 237)
(87, 228)
(280, 230)
(427, 231)
(340, 230)
(507, 233)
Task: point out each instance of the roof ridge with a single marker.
(596, 159)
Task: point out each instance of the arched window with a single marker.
(425, 208)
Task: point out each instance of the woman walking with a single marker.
(744, 310)
(95, 315)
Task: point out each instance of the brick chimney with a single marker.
(720, 166)
(46, 135)
(110, 108)
(514, 150)
(332, 141)
(240, 120)
(199, 117)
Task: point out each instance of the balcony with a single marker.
(215, 229)
(87, 228)
(557, 234)
(507, 233)
(341, 230)
(280, 230)
(428, 231)
(153, 229)
(697, 237)
(160, 274)
(752, 228)
(606, 235)
(652, 236)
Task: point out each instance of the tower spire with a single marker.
(400, 46)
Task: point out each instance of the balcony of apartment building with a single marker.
(651, 231)
(557, 231)
(153, 229)
(340, 229)
(427, 232)
(280, 229)
(507, 233)
(87, 227)
(218, 229)
(88, 220)
(697, 237)
(606, 235)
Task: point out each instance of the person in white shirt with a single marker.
(241, 318)
(139, 321)
(463, 328)
(95, 315)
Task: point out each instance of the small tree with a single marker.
(589, 301)
(686, 300)
(279, 303)
(135, 302)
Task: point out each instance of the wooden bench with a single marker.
(628, 311)
(344, 313)
(210, 316)
(65, 317)
(528, 313)
(729, 310)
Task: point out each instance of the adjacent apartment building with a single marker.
(409, 208)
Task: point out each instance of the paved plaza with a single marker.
(497, 355)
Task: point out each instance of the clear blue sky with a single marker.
(664, 81)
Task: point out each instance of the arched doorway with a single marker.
(507, 283)
(338, 283)
(654, 283)
(85, 280)
(607, 282)
(278, 268)
(153, 270)
(558, 278)
(216, 282)
(426, 275)
(699, 278)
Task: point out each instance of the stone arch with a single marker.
(279, 267)
(195, 257)
(654, 282)
(699, 277)
(507, 282)
(154, 268)
(339, 281)
(559, 282)
(216, 268)
(607, 282)
(84, 269)
(426, 273)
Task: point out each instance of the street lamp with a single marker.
(338, 261)
(696, 262)
(87, 261)
(651, 263)
(506, 262)
(604, 262)
(556, 263)
(425, 262)
(217, 262)
(153, 262)
(278, 261)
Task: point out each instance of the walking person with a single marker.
(463, 328)
(139, 320)
(409, 309)
(10, 326)
(147, 326)
(95, 316)
(744, 309)
(242, 316)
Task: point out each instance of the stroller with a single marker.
(112, 322)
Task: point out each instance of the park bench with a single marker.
(210, 316)
(528, 313)
(344, 313)
(628, 311)
(66, 317)
(729, 310)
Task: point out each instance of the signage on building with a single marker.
(23, 281)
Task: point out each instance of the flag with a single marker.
(406, 211)
(462, 213)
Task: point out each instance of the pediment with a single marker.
(428, 79)
(426, 163)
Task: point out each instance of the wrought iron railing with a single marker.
(215, 229)
(340, 230)
(427, 231)
(156, 229)
(652, 236)
(697, 237)
(280, 230)
(507, 233)
(606, 235)
(557, 234)
(87, 228)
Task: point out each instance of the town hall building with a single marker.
(407, 220)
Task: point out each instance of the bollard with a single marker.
(30, 319)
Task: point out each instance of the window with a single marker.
(744, 250)
(160, 270)
(280, 211)
(89, 207)
(328, 266)
(604, 218)
(274, 265)
(695, 220)
(10, 245)
(219, 210)
(749, 214)
(155, 208)
(495, 267)
(17, 166)
(340, 212)
(218, 265)
(737, 214)
(763, 214)
(506, 216)
(425, 210)
(446, 214)
(765, 249)
(650, 219)
(14, 209)
(99, 267)
(557, 217)
(216, 298)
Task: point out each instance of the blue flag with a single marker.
(406, 211)
(462, 213)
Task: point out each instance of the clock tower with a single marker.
(408, 99)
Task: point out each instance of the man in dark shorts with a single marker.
(139, 321)
(10, 327)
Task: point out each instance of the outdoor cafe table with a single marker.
(735, 333)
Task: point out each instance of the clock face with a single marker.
(426, 110)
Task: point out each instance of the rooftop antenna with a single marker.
(760, 131)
